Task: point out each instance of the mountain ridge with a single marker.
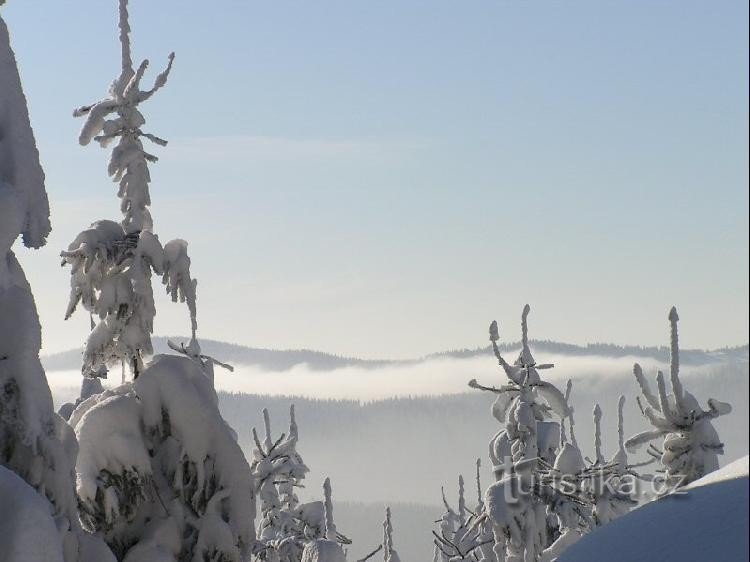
(285, 359)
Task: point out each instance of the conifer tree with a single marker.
(160, 475)
(112, 263)
(690, 443)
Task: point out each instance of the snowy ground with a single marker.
(710, 522)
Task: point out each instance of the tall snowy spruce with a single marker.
(112, 263)
(160, 476)
(37, 448)
(690, 444)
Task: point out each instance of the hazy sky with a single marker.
(383, 178)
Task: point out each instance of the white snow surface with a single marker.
(323, 550)
(709, 522)
(28, 531)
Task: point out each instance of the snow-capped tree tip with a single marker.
(673, 316)
(494, 333)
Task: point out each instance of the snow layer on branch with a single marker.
(180, 387)
(21, 175)
(109, 436)
(160, 472)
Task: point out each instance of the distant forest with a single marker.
(282, 360)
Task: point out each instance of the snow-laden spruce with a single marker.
(35, 443)
(160, 475)
(112, 263)
(690, 445)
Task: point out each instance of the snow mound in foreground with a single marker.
(708, 523)
(26, 526)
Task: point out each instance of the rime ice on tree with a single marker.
(160, 475)
(286, 526)
(112, 263)
(522, 406)
(690, 446)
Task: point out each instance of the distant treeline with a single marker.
(285, 359)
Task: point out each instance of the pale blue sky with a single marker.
(383, 178)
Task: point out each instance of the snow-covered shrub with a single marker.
(690, 445)
(464, 534)
(160, 474)
(112, 263)
(35, 443)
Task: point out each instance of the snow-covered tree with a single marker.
(286, 525)
(112, 263)
(584, 493)
(516, 509)
(389, 553)
(547, 494)
(690, 445)
(277, 470)
(326, 548)
(611, 485)
(160, 475)
(35, 443)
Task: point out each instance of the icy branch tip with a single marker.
(673, 317)
(525, 326)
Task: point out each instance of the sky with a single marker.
(382, 179)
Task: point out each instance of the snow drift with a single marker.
(708, 522)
